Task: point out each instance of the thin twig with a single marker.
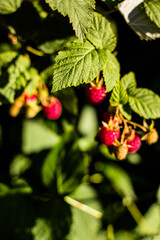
(83, 207)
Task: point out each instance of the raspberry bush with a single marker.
(79, 125)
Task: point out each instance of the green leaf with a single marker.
(111, 71)
(7, 57)
(53, 46)
(42, 230)
(69, 100)
(126, 111)
(84, 225)
(79, 12)
(71, 170)
(19, 165)
(33, 83)
(145, 103)
(138, 20)
(37, 137)
(129, 82)
(9, 6)
(89, 117)
(101, 34)
(119, 95)
(50, 164)
(152, 218)
(15, 78)
(120, 180)
(152, 8)
(79, 63)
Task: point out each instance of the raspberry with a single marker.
(134, 145)
(108, 136)
(121, 151)
(52, 108)
(95, 96)
(30, 99)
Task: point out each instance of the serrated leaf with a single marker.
(119, 95)
(152, 8)
(79, 12)
(79, 63)
(101, 34)
(9, 6)
(145, 103)
(138, 20)
(126, 111)
(120, 180)
(50, 47)
(111, 71)
(14, 78)
(129, 82)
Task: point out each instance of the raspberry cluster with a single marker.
(39, 100)
(122, 136)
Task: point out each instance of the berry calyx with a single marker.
(52, 108)
(108, 136)
(134, 144)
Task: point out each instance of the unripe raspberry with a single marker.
(152, 136)
(52, 107)
(107, 136)
(134, 145)
(121, 151)
(95, 96)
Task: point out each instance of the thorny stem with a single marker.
(83, 207)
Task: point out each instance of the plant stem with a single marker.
(110, 232)
(137, 216)
(133, 123)
(97, 78)
(34, 51)
(83, 207)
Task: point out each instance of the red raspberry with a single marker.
(108, 136)
(95, 96)
(29, 99)
(52, 108)
(134, 145)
